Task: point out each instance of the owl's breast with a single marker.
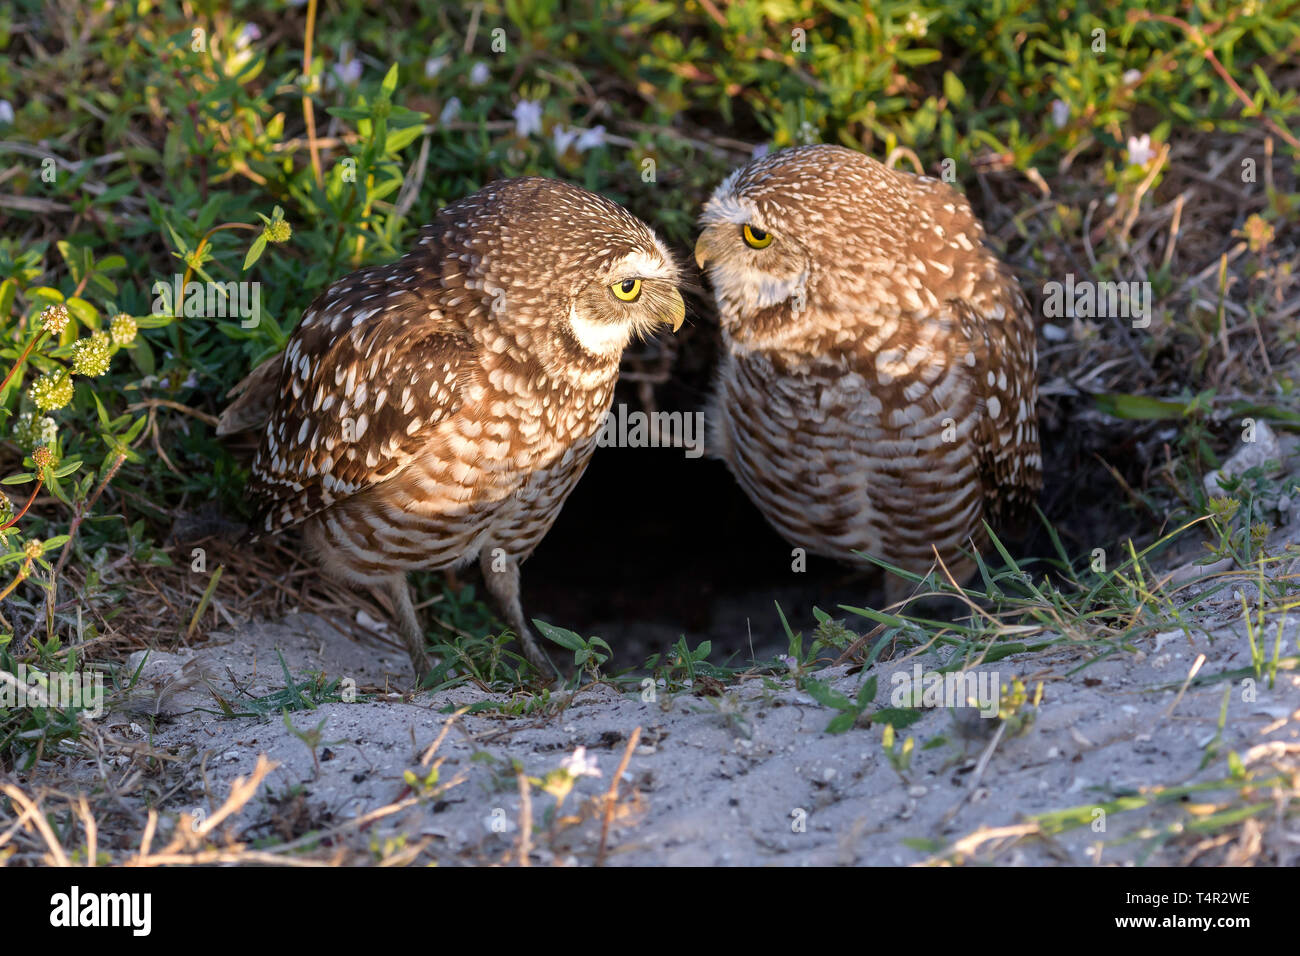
(839, 461)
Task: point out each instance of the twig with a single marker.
(525, 815)
(35, 491)
(1191, 675)
(92, 830)
(32, 815)
(902, 152)
(308, 110)
(22, 358)
(174, 406)
(611, 796)
(1173, 230)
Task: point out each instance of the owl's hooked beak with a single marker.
(702, 250)
(675, 314)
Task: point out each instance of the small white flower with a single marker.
(479, 74)
(528, 118)
(578, 764)
(345, 72)
(247, 36)
(593, 138)
(759, 151)
(450, 111)
(6, 111)
(1060, 113)
(1132, 76)
(1139, 150)
(435, 65)
(562, 138)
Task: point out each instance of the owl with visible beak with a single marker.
(438, 411)
(878, 385)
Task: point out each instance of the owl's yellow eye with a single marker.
(756, 238)
(629, 290)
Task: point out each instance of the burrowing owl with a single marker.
(439, 410)
(878, 384)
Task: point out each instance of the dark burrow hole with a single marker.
(653, 545)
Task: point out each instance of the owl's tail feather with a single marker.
(253, 398)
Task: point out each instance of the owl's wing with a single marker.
(1004, 376)
(369, 373)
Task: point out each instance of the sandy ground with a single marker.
(747, 777)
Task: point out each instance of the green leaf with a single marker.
(100, 411)
(828, 696)
(1131, 407)
(879, 617)
(841, 723)
(177, 241)
(71, 255)
(86, 313)
(53, 486)
(389, 85)
(46, 293)
(130, 436)
(565, 638)
(255, 250)
(898, 717)
(953, 88)
(399, 139)
(867, 693)
(349, 113)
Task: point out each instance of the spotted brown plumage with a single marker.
(878, 383)
(439, 410)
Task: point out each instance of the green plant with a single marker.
(231, 143)
(588, 654)
(856, 712)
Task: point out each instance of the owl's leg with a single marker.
(336, 567)
(501, 577)
(897, 590)
(408, 623)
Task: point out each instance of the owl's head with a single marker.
(801, 229)
(557, 265)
